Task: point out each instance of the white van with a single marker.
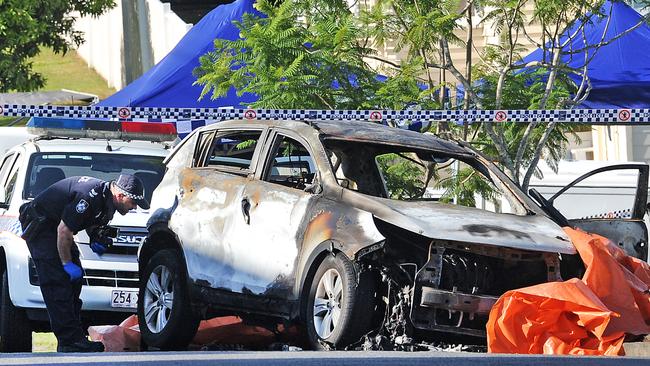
(588, 193)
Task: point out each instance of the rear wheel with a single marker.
(164, 312)
(339, 310)
(15, 330)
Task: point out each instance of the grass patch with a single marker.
(43, 342)
(65, 72)
(69, 72)
(11, 121)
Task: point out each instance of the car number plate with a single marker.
(124, 299)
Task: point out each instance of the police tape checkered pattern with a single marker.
(188, 119)
(620, 214)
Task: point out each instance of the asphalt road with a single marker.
(310, 358)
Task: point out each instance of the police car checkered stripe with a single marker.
(207, 115)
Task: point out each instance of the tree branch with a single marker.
(458, 75)
(377, 58)
(605, 43)
(502, 150)
(537, 155)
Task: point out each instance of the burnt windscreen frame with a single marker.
(46, 169)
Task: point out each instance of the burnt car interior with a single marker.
(291, 164)
(231, 152)
(408, 174)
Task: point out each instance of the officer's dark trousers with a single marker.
(60, 295)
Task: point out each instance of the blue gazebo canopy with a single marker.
(620, 71)
(169, 83)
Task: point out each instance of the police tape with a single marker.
(588, 116)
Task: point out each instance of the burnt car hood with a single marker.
(472, 225)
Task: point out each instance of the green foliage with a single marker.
(464, 186)
(523, 90)
(319, 54)
(246, 144)
(403, 177)
(299, 57)
(27, 25)
(292, 64)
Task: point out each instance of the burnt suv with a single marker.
(309, 222)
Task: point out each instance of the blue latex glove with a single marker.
(98, 248)
(73, 270)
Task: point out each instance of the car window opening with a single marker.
(292, 165)
(47, 169)
(409, 174)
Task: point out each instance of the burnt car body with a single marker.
(292, 220)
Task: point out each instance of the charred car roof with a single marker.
(369, 132)
(376, 133)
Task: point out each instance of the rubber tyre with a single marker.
(15, 329)
(357, 305)
(182, 324)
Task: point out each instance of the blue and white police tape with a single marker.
(589, 116)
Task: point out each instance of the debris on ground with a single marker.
(588, 316)
(226, 333)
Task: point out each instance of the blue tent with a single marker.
(169, 83)
(619, 71)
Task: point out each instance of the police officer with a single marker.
(49, 223)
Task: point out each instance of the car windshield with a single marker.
(48, 168)
(408, 174)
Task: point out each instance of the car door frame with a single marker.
(630, 234)
(265, 163)
(199, 162)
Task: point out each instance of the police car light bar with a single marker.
(104, 130)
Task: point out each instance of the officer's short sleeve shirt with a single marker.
(80, 202)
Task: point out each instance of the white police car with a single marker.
(65, 148)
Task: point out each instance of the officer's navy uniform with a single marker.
(80, 202)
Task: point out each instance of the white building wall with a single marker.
(103, 49)
(612, 143)
(104, 46)
(640, 143)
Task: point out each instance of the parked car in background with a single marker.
(299, 221)
(110, 282)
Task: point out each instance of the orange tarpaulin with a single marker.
(588, 316)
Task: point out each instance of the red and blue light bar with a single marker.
(105, 130)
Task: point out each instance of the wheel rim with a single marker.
(327, 303)
(158, 299)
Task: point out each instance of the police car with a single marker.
(60, 149)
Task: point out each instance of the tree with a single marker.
(27, 25)
(321, 54)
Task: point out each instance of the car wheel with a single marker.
(339, 309)
(164, 312)
(15, 331)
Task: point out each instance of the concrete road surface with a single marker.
(309, 358)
